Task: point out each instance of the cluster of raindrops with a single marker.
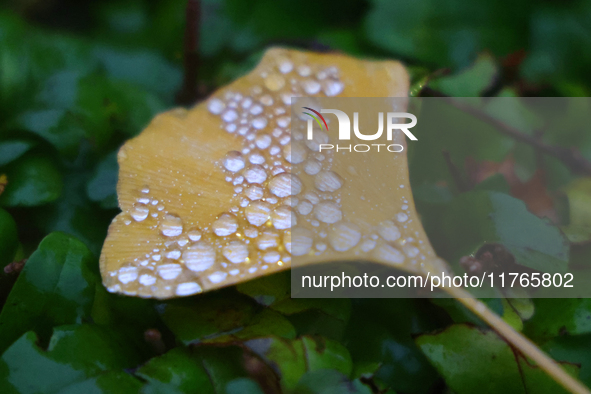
(277, 218)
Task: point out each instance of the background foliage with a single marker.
(78, 78)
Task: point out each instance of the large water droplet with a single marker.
(328, 212)
(234, 161)
(236, 252)
(139, 212)
(127, 274)
(185, 289)
(388, 254)
(171, 226)
(257, 213)
(328, 181)
(284, 185)
(169, 271)
(301, 241)
(274, 82)
(294, 153)
(388, 230)
(282, 218)
(225, 225)
(343, 236)
(255, 174)
(216, 106)
(267, 240)
(199, 256)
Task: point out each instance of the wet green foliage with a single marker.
(77, 79)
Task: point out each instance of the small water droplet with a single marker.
(234, 161)
(171, 226)
(328, 181)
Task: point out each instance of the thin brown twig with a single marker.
(571, 157)
(189, 92)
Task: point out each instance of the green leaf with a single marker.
(579, 200)
(8, 238)
(180, 369)
(11, 150)
(56, 286)
(219, 318)
(559, 316)
(471, 82)
(575, 350)
(291, 359)
(476, 218)
(243, 386)
(329, 381)
(77, 358)
(477, 361)
(102, 186)
(32, 180)
(59, 127)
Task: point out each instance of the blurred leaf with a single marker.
(180, 369)
(13, 149)
(80, 358)
(461, 353)
(559, 316)
(471, 82)
(8, 238)
(573, 349)
(102, 186)
(476, 218)
(222, 319)
(55, 287)
(32, 180)
(579, 199)
(329, 381)
(291, 359)
(243, 386)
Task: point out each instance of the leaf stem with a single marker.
(523, 344)
(189, 93)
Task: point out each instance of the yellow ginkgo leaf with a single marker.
(228, 191)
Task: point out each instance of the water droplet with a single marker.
(185, 289)
(267, 240)
(328, 212)
(199, 256)
(173, 254)
(230, 116)
(274, 82)
(225, 225)
(257, 213)
(343, 236)
(402, 217)
(368, 245)
(127, 274)
(234, 161)
(236, 252)
(388, 230)
(388, 254)
(328, 181)
(294, 153)
(282, 218)
(285, 66)
(139, 212)
(255, 174)
(304, 71)
(411, 251)
(305, 207)
(254, 192)
(216, 106)
(263, 142)
(169, 271)
(318, 138)
(333, 88)
(171, 226)
(217, 277)
(256, 109)
(259, 123)
(311, 86)
(147, 279)
(284, 185)
(271, 257)
(312, 167)
(194, 235)
(251, 232)
(301, 241)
